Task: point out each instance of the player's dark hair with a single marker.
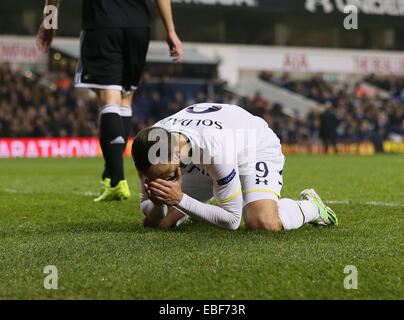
(144, 140)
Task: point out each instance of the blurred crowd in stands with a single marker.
(36, 106)
(33, 106)
(372, 112)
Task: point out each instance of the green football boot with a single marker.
(119, 192)
(105, 184)
(327, 216)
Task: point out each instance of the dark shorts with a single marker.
(112, 58)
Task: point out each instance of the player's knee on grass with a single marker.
(262, 215)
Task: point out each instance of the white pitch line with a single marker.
(33, 192)
(337, 201)
(88, 193)
(368, 203)
(92, 194)
(385, 204)
(16, 191)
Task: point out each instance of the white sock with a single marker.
(125, 111)
(294, 214)
(110, 108)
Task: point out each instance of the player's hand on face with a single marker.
(175, 46)
(151, 196)
(169, 192)
(44, 38)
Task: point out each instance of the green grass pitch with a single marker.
(102, 251)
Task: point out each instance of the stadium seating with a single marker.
(48, 107)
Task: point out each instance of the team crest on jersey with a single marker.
(227, 179)
(199, 110)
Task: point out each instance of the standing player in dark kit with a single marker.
(114, 43)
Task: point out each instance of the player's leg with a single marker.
(101, 68)
(263, 211)
(262, 185)
(262, 208)
(106, 176)
(126, 116)
(326, 145)
(125, 112)
(262, 215)
(274, 215)
(112, 140)
(131, 47)
(334, 144)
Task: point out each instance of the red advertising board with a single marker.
(49, 147)
(52, 147)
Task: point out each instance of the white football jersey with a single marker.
(235, 150)
(225, 133)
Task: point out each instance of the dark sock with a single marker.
(127, 123)
(112, 137)
(105, 173)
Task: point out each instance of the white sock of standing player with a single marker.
(294, 214)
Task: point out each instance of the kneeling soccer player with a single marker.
(220, 151)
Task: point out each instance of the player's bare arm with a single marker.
(174, 43)
(45, 36)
